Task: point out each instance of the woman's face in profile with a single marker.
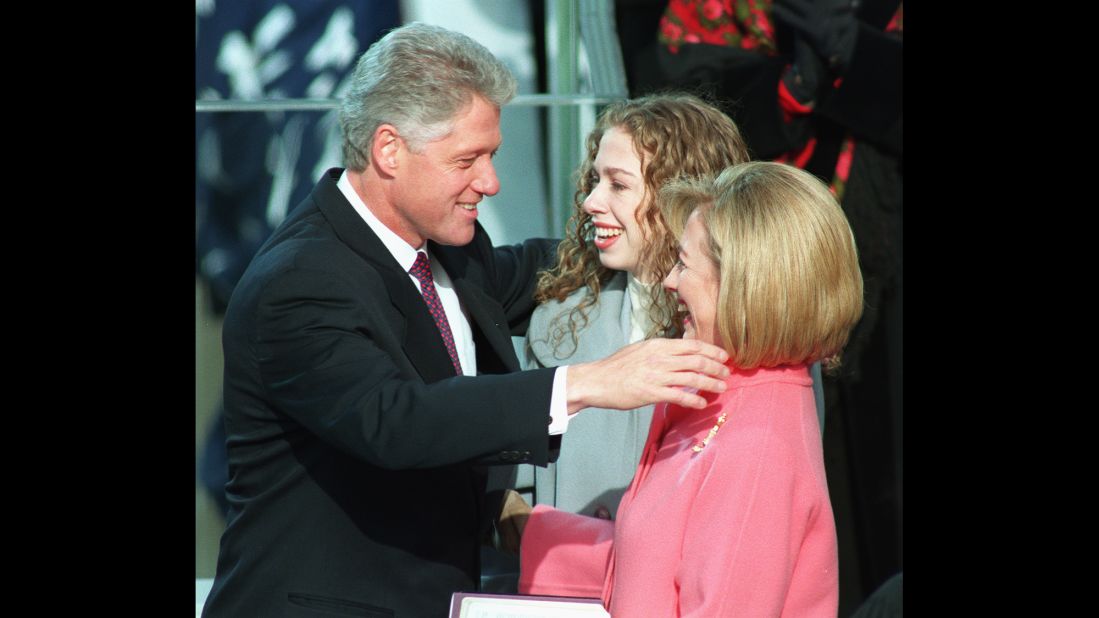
(618, 190)
(696, 280)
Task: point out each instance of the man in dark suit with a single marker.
(368, 364)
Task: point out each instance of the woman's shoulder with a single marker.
(615, 287)
(551, 340)
(773, 419)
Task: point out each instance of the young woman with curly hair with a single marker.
(605, 292)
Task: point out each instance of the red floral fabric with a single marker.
(747, 24)
(735, 23)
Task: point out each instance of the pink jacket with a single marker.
(743, 528)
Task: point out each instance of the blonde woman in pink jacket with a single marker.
(728, 513)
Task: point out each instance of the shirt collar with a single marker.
(404, 253)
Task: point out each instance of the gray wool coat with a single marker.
(601, 449)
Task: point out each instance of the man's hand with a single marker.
(648, 372)
(513, 520)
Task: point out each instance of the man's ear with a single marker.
(384, 148)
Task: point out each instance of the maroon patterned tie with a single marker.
(422, 271)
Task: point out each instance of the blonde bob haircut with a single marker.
(790, 288)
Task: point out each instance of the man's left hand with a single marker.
(513, 520)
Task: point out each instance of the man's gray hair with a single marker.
(417, 78)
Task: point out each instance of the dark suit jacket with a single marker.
(355, 486)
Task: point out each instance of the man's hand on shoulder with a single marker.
(648, 372)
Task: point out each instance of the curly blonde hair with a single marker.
(675, 135)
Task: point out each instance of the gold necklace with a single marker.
(713, 432)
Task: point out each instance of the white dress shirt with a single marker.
(405, 254)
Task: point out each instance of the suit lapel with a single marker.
(487, 316)
(484, 311)
(417, 333)
(421, 341)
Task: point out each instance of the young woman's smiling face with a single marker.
(613, 201)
